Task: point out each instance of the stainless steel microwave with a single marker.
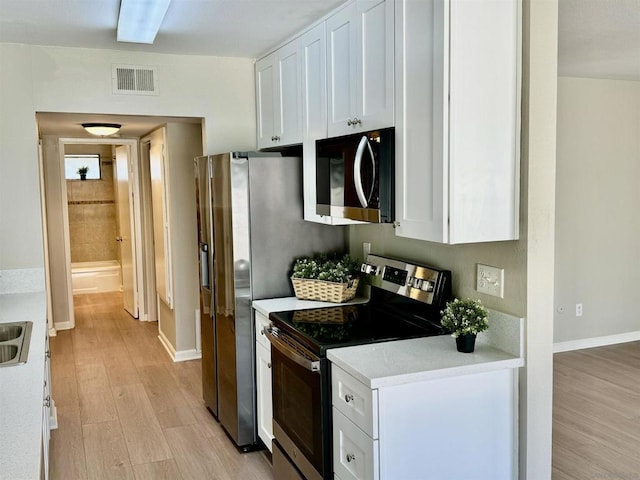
(355, 176)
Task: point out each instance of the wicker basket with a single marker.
(308, 289)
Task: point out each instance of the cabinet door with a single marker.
(457, 141)
(314, 83)
(375, 82)
(264, 399)
(287, 119)
(342, 59)
(265, 99)
(355, 454)
(360, 67)
(484, 119)
(421, 121)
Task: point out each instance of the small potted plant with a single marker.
(328, 278)
(82, 171)
(464, 319)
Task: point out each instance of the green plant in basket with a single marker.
(330, 268)
(465, 317)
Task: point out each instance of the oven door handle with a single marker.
(289, 352)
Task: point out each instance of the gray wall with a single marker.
(460, 259)
(597, 208)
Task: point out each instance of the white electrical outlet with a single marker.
(490, 280)
(578, 309)
(366, 250)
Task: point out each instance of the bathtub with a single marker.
(94, 277)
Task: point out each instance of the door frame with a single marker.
(137, 242)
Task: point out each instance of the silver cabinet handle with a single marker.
(353, 122)
(269, 365)
(350, 457)
(275, 138)
(47, 401)
(348, 398)
(118, 239)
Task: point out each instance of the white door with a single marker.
(124, 205)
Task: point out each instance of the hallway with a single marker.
(125, 410)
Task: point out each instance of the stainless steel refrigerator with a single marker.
(250, 229)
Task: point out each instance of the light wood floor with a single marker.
(596, 413)
(125, 410)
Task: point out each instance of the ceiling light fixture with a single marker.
(102, 129)
(140, 20)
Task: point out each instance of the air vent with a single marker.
(134, 80)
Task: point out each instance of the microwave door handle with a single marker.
(290, 353)
(357, 175)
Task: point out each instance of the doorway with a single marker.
(93, 224)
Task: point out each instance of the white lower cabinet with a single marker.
(421, 429)
(355, 454)
(263, 383)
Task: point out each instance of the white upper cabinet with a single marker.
(314, 116)
(313, 59)
(458, 119)
(278, 97)
(360, 53)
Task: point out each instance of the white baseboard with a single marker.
(595, 342)
(180, 355)
(63, 325)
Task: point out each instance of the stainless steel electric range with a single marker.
(405, 302)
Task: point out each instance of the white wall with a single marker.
(218, 89)
(20, 214)
(56, 79)
(598, 208)
(71, 80)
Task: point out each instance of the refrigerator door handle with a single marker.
(204, 266)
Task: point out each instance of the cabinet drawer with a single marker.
(355, 400)
(355, 454)
(261, 322)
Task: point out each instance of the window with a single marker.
(73, 162)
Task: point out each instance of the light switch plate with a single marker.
(490, 280)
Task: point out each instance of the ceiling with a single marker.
(228, 28)
(597, 38)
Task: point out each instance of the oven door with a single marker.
(299, 422)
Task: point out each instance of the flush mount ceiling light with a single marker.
(140, 20)
(102, 129)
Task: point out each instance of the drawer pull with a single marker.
(351, 457)
(269, 365)
(47, 401)
(348, 398)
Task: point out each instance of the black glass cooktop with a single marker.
(323, 328)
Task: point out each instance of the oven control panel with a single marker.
(425, 284)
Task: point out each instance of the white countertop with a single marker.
(286, 304)
(21, 391)
(405, 361)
